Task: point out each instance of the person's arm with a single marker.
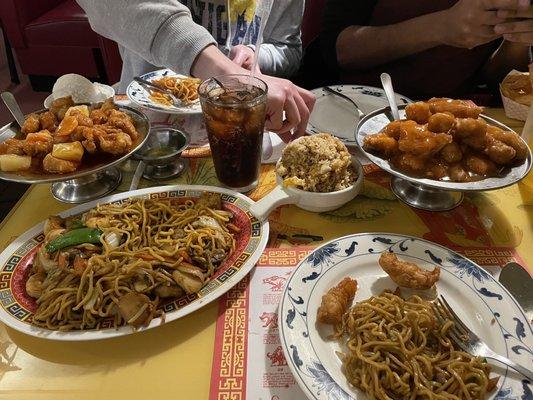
(162, 32)
(362, 47)
(337, 16)
(281, 51)
(467, 24)
(507, 57)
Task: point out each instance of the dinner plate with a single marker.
(142, 125)
(338, 116)
(139, 95)
(377, 120)
(479, 300)
(16, 307)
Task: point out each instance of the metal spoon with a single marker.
(13, 107)
(386, 81)
(149, 85)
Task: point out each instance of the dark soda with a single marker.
(235, 119)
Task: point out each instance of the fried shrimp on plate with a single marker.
(408, 274)
(336, 301)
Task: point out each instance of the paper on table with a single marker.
(248, 361)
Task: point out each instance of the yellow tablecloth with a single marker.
(174, 361)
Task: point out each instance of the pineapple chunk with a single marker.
(67, 126)
(68, 151)
(13, 162)
(83, 109)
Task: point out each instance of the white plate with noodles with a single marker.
(128, 262)
(480, 301)
(183, 87)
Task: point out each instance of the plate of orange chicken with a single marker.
(446, 144)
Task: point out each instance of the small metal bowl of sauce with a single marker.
(162, 153)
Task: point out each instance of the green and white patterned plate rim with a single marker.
(15, 262)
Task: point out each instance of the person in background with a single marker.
(281, 51)
(152, 34)
(430, 48)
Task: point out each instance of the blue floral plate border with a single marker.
(140, 96)
(485, 305)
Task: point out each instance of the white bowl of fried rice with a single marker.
(316, 173)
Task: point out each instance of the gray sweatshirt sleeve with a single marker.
(162, 32)
(281, 51)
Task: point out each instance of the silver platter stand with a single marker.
(86, 184)
(429, 194)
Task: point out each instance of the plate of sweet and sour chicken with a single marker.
(69, 140)
(445, 143)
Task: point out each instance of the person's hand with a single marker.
(296, 103)
(518, 27)
(470, 23)
(243, 56)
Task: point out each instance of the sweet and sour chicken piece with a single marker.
(31, 124)
(114, 141)
(336, 302)
(441, 122)
(418, 140)
(381, 144)
(469, 128)
(510, 138)
(459, 108)
(499, 152)
(38, 143)
(413, 163)
(408, 274)
(122, 121)
(419, 112)
(451, 153)
(12, 146)
(48, 121)
(480, 165)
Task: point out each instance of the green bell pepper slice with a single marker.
(73, 238)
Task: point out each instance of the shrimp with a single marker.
(34, 285)
(336, 301)
(408, 274)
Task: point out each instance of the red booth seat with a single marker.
(53, 37)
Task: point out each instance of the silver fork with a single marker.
(343, 96)
(150, 86)
(469, 341)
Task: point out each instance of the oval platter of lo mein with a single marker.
(357, 320)
(128, 262)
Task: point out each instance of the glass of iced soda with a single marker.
(234, 116)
